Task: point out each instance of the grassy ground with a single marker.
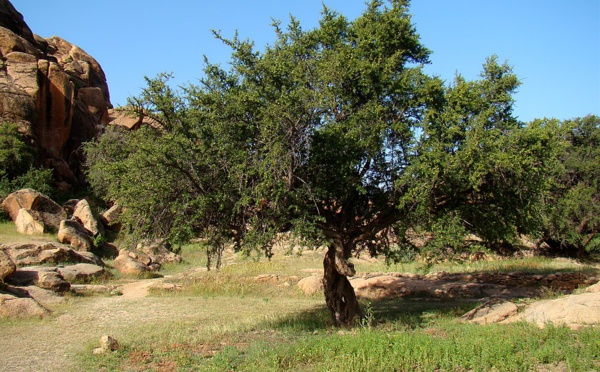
(239, 319)
(249, 324)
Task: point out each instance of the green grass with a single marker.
(413, 336)
(251, 325)
(234, 320)
(9, 234)
(541, 265)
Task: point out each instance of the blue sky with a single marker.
(553, 45)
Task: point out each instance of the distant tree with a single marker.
(573, 207)
(333, 134)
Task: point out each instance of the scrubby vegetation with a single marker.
(19, 169)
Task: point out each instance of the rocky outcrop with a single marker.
(20, 307)
(126, 118)
(54, 91)
(575, 311)
(41, 212)
(31, 254)
(478, 285)
(81, 273)
(41, 276)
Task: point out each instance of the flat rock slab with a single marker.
(575, 311)
(491, 312)
(82, 272)
(20, 307)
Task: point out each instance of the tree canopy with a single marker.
(336, 135)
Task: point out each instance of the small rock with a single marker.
(109, 343)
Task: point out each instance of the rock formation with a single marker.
(33, 212)
(53, 90)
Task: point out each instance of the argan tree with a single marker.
(332, 134)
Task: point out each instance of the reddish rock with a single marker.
(47, 210)
(29, 222)
(7, 265)
(83, 213)
(53, 90)
(73, 233)
(22, 199)
(17, 307)
(128, 265)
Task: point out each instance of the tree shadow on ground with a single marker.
(415, 312)
(408, 313)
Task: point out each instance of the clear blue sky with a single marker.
(553, 45)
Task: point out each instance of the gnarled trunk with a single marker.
(339, 294)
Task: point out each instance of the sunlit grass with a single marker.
(9, 234)
(534, 264)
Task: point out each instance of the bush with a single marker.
(17, 158)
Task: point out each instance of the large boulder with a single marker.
(157, 252)
(128, 265)
(47, 211)
(575, 311)
(29, 222)
(82, 272)
(22, 199)
(83, 213)
(7, 265)
(73, 233)
(311, 285)
(110, 218)
(20, 307)
(41, 276)
(30, 254)
(54, 91)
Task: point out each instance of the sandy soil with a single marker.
(49, 345)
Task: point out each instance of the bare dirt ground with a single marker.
(48, 345)
(54, 343)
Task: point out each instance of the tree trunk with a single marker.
(339, 294)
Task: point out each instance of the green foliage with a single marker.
(17, 158)
(573, 206)
(476, 169)
(336, 135)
